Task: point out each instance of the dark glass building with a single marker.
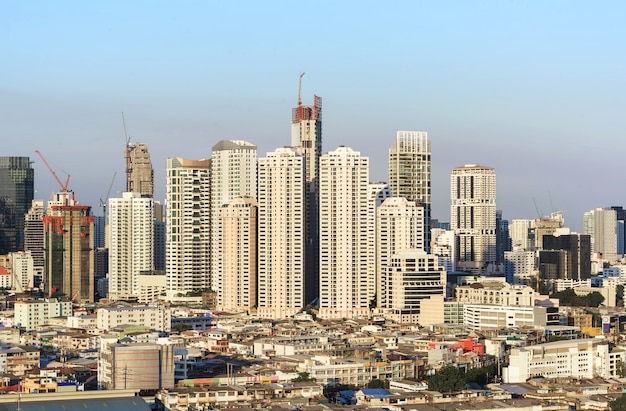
(17, 188)
(565, 257)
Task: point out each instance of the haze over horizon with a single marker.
(534, 89)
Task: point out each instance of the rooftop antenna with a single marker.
(300, 89)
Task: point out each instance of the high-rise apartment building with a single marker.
(519, 266)
(399, 226)
(139, 172)
(565, 257)
(473, 217)
(306, 133)
(521, 232)
(409, 172)
(281, 245)
(620, 214)
(69, 252)
(235, 272)
(22, 271)
(442, 245)
(548, 225)
(377, 194)
(131, 245)
(17, 178)
(344, 242)
(601, 225)
(33, 237)
(412, 276)
(233, 176)
(187, 192)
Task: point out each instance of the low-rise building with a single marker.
(156, 317)
(30, 314)
(582, 358)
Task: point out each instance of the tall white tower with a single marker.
(399, 226)
(601, 225)
(473, 217)
(281, 224)
(344, 201)
(235, 273)
(131, 243)
(187, 225)
(409, 172)
(233, 176)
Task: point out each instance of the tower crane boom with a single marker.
(64, 186)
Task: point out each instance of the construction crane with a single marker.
(64, 186)
(103, 203)
(126, 153)
(300, 90)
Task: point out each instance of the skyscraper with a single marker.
(565, 256)
(473, 217)
(306, 133)
(399, 226)
(601, 225)
(17, 178)
(345, 274)
(233, 176)
(235, 272)
(281, 224)
(409, 172)
(69, 252)
(187, 191)
(131, 245)
(139, 172)
(34, 238)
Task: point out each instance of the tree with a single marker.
(482, 375)
(447, 379)
(180, 327)
(303, 377)
(619, 404)
(378, 383)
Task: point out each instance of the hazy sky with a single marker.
(535, 89)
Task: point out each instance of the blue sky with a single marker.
(535, 89)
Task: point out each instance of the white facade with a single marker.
(187, 225)
(521, 233)
(586, 358)
(494, 317)
(442, 245)
(155, 317)
(411, 276)
(344, 242)
(281, 255)
(399, 226)
(233, 176)
(30, 314)
(235, 271)
(497, 292)
(473, 216)
(519, 266)
(22, 271)
(378, 193)
(410, 172)
(131, 243)
(601, 225)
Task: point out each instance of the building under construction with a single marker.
(68, 231)
(139, 172)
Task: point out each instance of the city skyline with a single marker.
(533, 90)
